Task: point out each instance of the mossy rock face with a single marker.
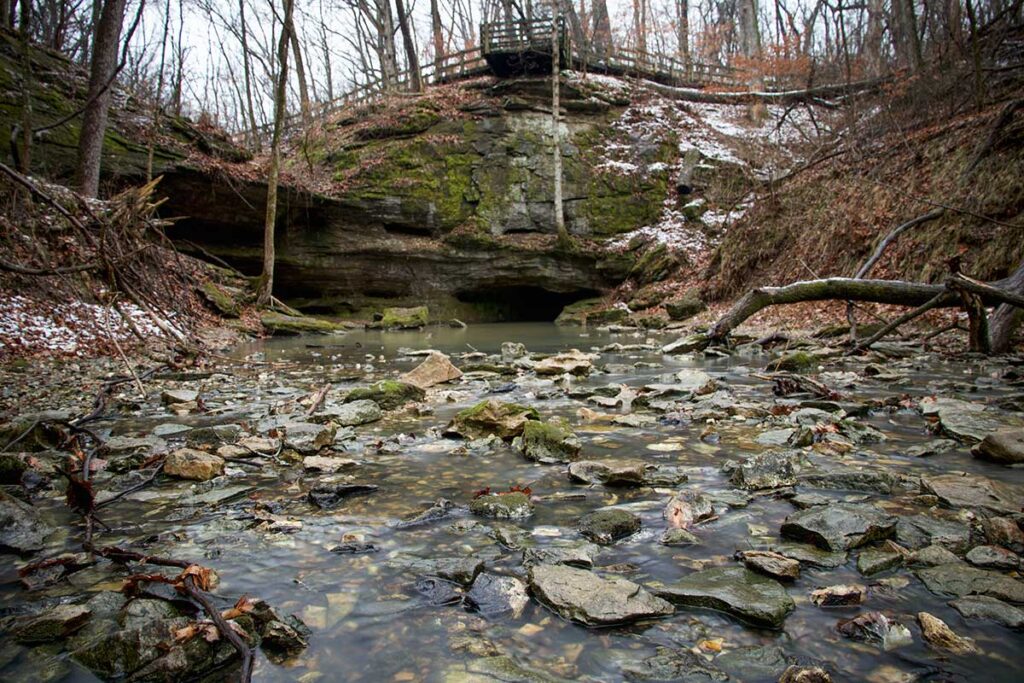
(650, 322)
(576, 313)
(798, 361)
(607, 316)
(654, 265)
(405, 318)
(389, 394)
(281, 324)
(647, 297)
(504, 420)
(684, 308)
(503, 506)
(549, 442)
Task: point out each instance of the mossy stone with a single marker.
(281, 324)
(389, 394)
(504, 506)
(405, 318)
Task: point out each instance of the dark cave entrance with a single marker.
(522, 304)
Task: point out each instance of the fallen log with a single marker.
(925, 297)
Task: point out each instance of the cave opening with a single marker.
(522, 304)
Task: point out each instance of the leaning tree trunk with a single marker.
(266, 284)
(94, 120)
(411, 58)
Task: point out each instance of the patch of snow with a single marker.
(29, 326)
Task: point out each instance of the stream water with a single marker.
(369, 622)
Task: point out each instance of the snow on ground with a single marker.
(29, 327)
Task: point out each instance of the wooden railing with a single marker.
(517, 37)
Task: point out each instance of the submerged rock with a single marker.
(548, 442)
(875, 627)
(496, 669)
(607, 526)
(754, 663)
(671, 664)
(768, 470)
(389, 394)
(738, 591)
(679, 538)
(351, 414)
(504, 420)
(576, 554)
(493, 594)
(502, 506)
(839, 527)
(966, 421)
(584, 597)
(436, 369)
(460, 570)
(53, 624)
(329, 495)
(22, 530)
(440, 509)
(993, 609)
(961, 579)
(805, 674)
(188, 463)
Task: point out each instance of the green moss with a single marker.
(389, 394)
(576, 313)
(549, 442)
(504, 506)
(798, 361)
(221, 300)
(654, 265)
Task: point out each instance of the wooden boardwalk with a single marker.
(499, 41)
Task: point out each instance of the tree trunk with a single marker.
(683, 30)
(873, 37)
(411, 58)
(909, 42)
(601, 42)
(300, 74)
(556, 130)
(266, 284)
(437, 34)
(386, 45)
(94, 120)
(247, 75)
(25, 30)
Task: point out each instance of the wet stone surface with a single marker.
(623, 514)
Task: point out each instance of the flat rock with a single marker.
(573, 362)
(327, 464)
(576, 554)
(586, 598)
(811, 555)
(960, 580)
(188, 463)
(993, 609)
(493, 594)
(966, 421)
(754, 663)
(172, 396)
(436, 369)
(308, 437)
(388, 394)
(353, 413)
(993, 557)
(839, 527)
(738, 591)
(460, 570)
(52, 624)
(973, 491)
(768, 470)
(872, 561)
(22, 530)
(608, 526)
(918, 531)
(695, 382)
(1005, 447)
(673, 664)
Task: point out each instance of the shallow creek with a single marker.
(367, 618)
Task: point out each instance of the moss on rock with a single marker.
(389, 394)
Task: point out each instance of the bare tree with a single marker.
(94, 120)
(409, 42)
(266, 284)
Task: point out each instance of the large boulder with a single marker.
(389, 394)
(405, 318)
(966, 421)
(436, 369)
(188, 463)
(586, 598)
(960, 580)
(738, 591)
(686, 307)
(839, 527)
(504, 420)
(1005, 447)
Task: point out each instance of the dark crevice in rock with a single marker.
(523, 303)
